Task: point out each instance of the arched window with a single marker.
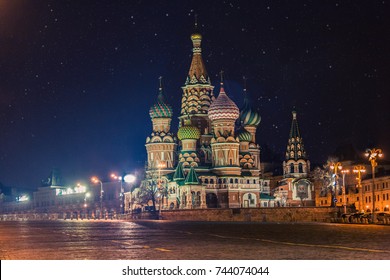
(300, 168)
(206, 181)
(291, 167)
(231, 180)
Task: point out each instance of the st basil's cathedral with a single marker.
(214, 160)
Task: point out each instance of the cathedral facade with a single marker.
(213, 161)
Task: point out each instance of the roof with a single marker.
(295, 148)
(266, 196)
(179, 174)
(192, 177)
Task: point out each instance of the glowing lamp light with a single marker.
(22, 198)
(130, 178)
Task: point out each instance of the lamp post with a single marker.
(344, 172)
(95, 180)
(372, 155)
(335, 167)
(126, 178)
(359, 169)
(159, 166)
(85, 203)
(130, 179)
(122, 199)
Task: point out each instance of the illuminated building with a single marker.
(213, 162)
(295, 189)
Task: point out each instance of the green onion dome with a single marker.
(248, 116)
(244, 136)
(188, 131)
(160, 109)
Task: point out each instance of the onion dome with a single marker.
(160, 109)
(196, 36)
(248, 116)
(188, 131)
(244, 136)
(223, 107)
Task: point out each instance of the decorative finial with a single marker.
(160, 79)
(245, 79)
(294, 113)
(221, 75)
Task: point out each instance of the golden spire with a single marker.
(197, 73)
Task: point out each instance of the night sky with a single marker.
(77, 78)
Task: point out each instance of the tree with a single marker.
(154, 186)
(147, 192)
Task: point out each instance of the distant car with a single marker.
(367, 217)
(355, 217)
(346, 218)
(382, 216)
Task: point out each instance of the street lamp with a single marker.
(159, 166)
(372, 155)
(85, 199)
(127, 178)
(344, 172)
(96, 180)
(335, 166)
(130, 179)
(85, 204)
(122, 199)
(359, 169)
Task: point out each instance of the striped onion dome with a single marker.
(188, 131)
(248, 116)
(223, 107)
(244, 136)
(160, 109)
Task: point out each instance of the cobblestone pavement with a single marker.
(126, 240)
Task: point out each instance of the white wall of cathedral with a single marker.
(252, 130)
(161, 124)
(287, 194)
(228, 192)
(161, 153)
(188, 144)
(225, 154)
(256, 157)
(244, 146)
(221, 127)
(249, 200)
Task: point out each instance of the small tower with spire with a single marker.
(296, 164)
(161, 144)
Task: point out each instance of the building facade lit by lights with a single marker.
(295, 189)
(214, 160)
